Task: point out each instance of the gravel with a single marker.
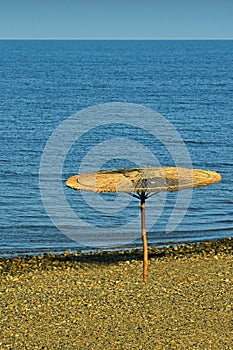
(99, 301)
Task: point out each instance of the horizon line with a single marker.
(119, 39)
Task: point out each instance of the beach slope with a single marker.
(98, 301)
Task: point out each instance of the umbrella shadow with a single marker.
(20, 264)
(175, 250)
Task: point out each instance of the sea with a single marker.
(45, 82)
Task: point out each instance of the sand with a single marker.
(99, 301)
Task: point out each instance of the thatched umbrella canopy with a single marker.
(143, 183)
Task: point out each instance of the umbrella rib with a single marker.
(133, 195)
(151, 194)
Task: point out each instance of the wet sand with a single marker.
(99, 301)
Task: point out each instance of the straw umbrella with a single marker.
(142, 183)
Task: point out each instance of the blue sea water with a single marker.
(42, 83)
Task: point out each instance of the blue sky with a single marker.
(116, 19)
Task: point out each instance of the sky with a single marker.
(116, 19)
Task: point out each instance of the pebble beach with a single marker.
(99, 301)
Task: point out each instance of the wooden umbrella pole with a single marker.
(144, 239)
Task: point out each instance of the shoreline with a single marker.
(19, 252)
(174, 251)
